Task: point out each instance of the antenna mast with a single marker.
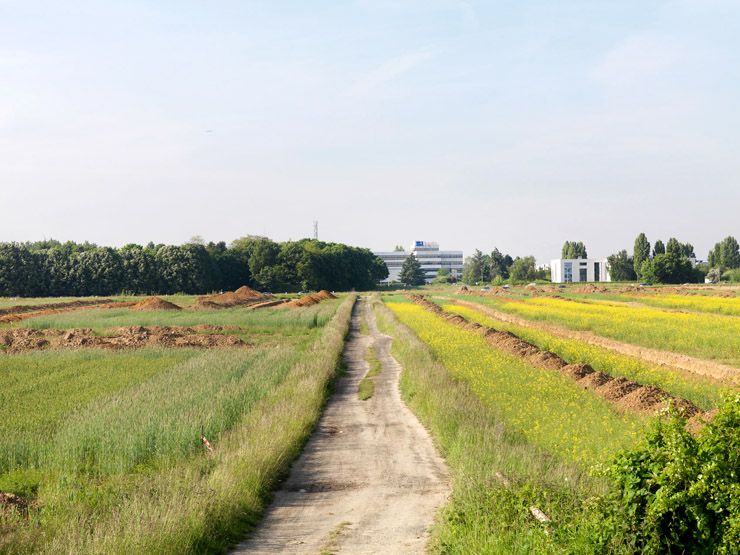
(316, 230)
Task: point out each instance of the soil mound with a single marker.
(23, 312)
(155, 303)
(589, 289)
(19, 340)
(594, 380)
(644, 398)
(243, 296)
(617, 388)
(577, 371)
(309, 300)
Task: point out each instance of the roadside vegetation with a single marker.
(111, 452)
(497, 473)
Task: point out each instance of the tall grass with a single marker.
(488, 514)
(151, 489)
(163, 418)
(40, 391)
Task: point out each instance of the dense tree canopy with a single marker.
(573, 249)
(671, 267)
(51, 268)
(523, 269)
(484, 267)
(411, 272)
(725, 254)
(641, 252)
(621, 266)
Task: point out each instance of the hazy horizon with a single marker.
(476, 125)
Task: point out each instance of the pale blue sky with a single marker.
(516, 124)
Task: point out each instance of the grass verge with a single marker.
(486, 514)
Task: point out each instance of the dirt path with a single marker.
(716, 370)
(369, 479)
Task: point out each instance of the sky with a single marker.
(513, 124)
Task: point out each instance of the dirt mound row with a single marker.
(24, 339)
(625, 394)
(244, 296)
(155, 303)
(589, 289)
(310, 299)
(22, 312)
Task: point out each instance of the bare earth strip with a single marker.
(716, 370)
(369, 479)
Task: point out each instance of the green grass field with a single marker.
(107, 445)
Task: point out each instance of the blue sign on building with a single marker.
(420, 243)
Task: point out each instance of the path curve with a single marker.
(369, 479)
(686, 363)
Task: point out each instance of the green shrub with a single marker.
(676, 493)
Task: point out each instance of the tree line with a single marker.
(674, 262)
(52, 268)
(498, 268)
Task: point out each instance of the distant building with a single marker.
(579, 270)
(428, 255)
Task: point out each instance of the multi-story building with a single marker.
(578, 270)
(429, 256)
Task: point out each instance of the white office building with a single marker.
(428, 255)
(579, 270)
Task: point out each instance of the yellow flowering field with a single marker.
(702, 303)
(547, 408)
(702, 335)
(704, 392)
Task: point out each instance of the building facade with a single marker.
(579, 270)
(429, 256)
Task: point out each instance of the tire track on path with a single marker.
(369, 479)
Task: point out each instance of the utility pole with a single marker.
(316, 230)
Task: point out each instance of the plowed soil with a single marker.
(155, 303)
(623, 393)
(24, 339)
(680, 362)
(310, 299)
(22, 312)
(243, 296)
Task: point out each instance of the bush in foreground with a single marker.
(677, 493)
